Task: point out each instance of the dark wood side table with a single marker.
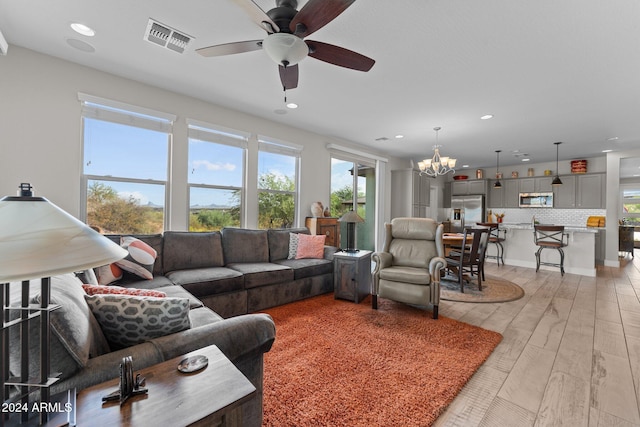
(328, 226)
(352, 275)
(209, 397)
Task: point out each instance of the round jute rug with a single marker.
(494, 289)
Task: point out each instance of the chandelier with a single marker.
(437, 165)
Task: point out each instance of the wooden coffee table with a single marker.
(209, 397)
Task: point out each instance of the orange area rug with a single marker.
(336, 363)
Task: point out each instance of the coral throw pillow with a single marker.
(108, 274)
(140, 259)
(119, 290)
(310, 246)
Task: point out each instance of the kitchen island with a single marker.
(579, 255)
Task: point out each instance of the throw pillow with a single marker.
(107, 274)
(310, 246)
(293, 245)
(119, 290)
(140, 259)
(129, 320)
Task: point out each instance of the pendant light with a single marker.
(497, 184)
(556, 179)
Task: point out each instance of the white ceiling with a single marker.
(548, 70)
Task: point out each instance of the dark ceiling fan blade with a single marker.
(339, 56)
(316, 14)
(230, 48)
(258, 16)
(289, 76)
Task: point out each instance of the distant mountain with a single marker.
(211, 206)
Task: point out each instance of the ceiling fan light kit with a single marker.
(285, 45)
(285, 49)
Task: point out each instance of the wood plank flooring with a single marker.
(570, 354)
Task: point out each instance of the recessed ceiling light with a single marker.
(526, 160)
(607, 151)
(399, 136)
(83, 29)
(613, 138)
(465, 166)
(487, 117)
(292, 105)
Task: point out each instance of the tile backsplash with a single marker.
(568, 217)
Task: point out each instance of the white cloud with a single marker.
(213, 166)
(136, 195)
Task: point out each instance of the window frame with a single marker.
(106, 110)
(216, 134)
(274, 146)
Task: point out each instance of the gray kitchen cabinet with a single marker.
(504, 197)
(564, 196)
(466, 187)
(590, 191)
(410, 193)
(541, 184)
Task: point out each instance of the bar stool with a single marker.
(496, 236)
(550, 236)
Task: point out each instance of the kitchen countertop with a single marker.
(567, 228)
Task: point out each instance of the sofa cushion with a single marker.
(308, 267)
(75, 334)
(208, 281)
(243, 245)
(141, 257)
(119, 290)
(279, 241)
(262, 273)
(174, 291)
(129, 320)
(186, 250)
(130, 280)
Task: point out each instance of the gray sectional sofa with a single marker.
(227, 276)
(235, 271)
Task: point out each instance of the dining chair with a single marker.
(470, 259)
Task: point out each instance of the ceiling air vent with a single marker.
(165, 36)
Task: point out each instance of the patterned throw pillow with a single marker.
(119, 290)
(140, 259)
(293, 245)
(108, 274)
(129, 320)
(310, 246)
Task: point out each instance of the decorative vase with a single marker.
(499, 220)
(317, 209)
(327, 212)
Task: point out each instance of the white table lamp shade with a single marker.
(39, 239)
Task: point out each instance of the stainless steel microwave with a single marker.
(536, 200)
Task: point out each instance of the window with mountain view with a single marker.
(216, 174)
(125, 167)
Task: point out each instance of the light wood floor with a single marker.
(570, 353)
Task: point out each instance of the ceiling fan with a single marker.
(286, 28)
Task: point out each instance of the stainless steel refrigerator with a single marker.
(466, 211)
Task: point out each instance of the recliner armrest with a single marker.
(435, 265)
(382, 260)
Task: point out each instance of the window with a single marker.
(631, 203)
(277, 184)
(353, 183)
(126, 158)
(216, 177)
